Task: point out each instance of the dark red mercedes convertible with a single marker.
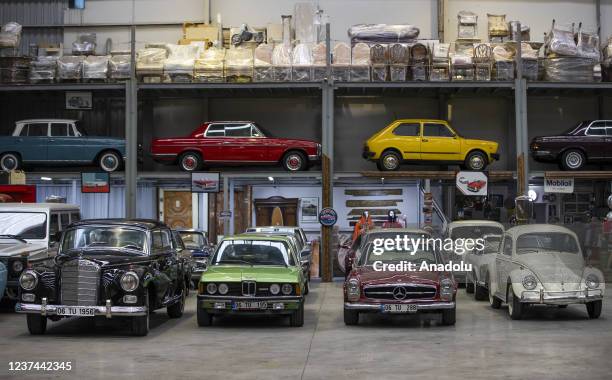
(234, 143)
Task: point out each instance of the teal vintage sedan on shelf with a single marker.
(58, 142)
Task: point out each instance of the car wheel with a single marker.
(469, 285)
(515, 307)
(449, 316)
(190, 161)
(294, 161)
(109, 161)
(37, 324)
(204, 318)
(480, 292)
(297, 318)
(494, 301)
(476, 161)
(351, 317)
(594, 309)
(307, 288)
(562, 306)
(573, 160)
(389, 161)
(176, 309)
(140, 325)
(9, 162)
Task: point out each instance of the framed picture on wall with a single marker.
(95, 182)
(205, 182)
(309, 209)
(78, 100)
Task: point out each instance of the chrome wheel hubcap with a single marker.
(109, 162)
(574, 160)
(390, 162)
(9, 163)
(189, 162)
(476, 162)
(294, 162)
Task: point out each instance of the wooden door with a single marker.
(266, 211)
(178, 209)
(241, 217)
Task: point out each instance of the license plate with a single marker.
(79, 311)
(398, 308)
(249, 305)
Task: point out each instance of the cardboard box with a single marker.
(200, 32)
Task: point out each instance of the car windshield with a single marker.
(264, 131)
(534, 242)
(193, 240)
(95, 237)
(574, 127)
(417, 254)
(253, 252)
(492, 244)
(23, 225)
(474, 232)
(79, 128)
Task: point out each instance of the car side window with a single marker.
(37, 129)
(408, 129)
(436, 130)
(507, 246)
(215, 130)
(598, 128)
(256, 132)
(60, 129)
(74, 217)
(238, 130)
(53, 223)
(64, 220)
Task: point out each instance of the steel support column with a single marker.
(131, 135)
(232, 220)
(520, 119)
(226, 220)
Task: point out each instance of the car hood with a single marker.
(31, 250)
(261, 273)
(482, 143)
(369, 276)
(104, 257)
(555, 270)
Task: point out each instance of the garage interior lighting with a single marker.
(271, 179)
(46, 179)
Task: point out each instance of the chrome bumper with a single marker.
(219, 298)
(314, 158)
(107, 311)
(561, 297)
(362, 306)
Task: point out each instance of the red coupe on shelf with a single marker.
(234, 143)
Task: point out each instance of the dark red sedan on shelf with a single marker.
(234, 143)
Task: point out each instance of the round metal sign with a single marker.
(328, 217)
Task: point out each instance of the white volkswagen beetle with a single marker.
(543, 264)
(481, 260)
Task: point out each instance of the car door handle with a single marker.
(424, 140)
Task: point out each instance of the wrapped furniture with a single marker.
(483, 66)
(379, 57)
(569, 69)
(239, 65)
(530, 62)
(503, 69)
(341, 64)
(467, 25)
(281, 60)
(524, 33)
(95, 67)
(179, 65)
(43, 69)
(360, 63)
(10, 35)
(560, 41)
(606, 66)
(588, 44)
(319, 62)
(150, 64)
(440, 63)
(70, 68)
(85, 44)
(383, 33)
(419, 62)
(302, 63)
(209, 67)
(462, 67)
(262, 63)
(498, 30)
(120, 66)
(304, 14)
(399, 58)
(14, 69)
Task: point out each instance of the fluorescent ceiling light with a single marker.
(46, 178)
(271, 179)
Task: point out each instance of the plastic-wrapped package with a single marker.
(85, 44)
(70, 67)
(319, 62)
(380, 73)
(179, 65)
(304, 18)
(95, 67)
(524, 33)
(588, 45)
(150, 63)
(503, 70)
(483, 64)
(419, 62)
(530, 69)
(440, 51)
(10, 35)
(462, 67)
(43, 69)
(360, 63)
(379, 54)
(568, 69)
(561, 42)
(398, 73)
(209, 67)
(262, 63)
(467, 24)
(606, 65)
(239, 65)
(440, 65)
(302, 63)
(497, 25)
(120, 66)
(14, 69)
(341, 64)
(383, 33)
(281, 59)
(399, 54)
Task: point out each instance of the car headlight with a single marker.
(274, 289)
(211, 288)
(446, 284)
(17, 266)
(287, 289)
(28, 280)
(592, 281)
(129, 281)
(530, 282)
(353, 290)
(223, 288)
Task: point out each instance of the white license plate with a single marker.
(249, 305)
(398, 308)
(79, 311)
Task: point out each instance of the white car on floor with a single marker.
(543, 264)
(481, 260)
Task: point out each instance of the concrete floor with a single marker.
(550, 343)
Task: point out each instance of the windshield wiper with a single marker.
(234, 261)
(14, 237)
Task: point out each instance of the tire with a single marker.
(307, 288)
(294, 161)
(190, 162)
(476, 161)
(389, 160)
(494, 301)
(515, 307)
(573, 159)
(204, 319)
(562, 306)
(351, 317)
(109, 161)
(176, 310)
(449, 316)
(297, 318)
(140, 325)
(594, 309)
(37, 324)
(469, 287)
(480, 292)
(9, 162)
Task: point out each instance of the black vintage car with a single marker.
(109, 268)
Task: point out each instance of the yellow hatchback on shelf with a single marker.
(427, 141)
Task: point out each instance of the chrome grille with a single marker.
(249, 288)
(80, 279)
(400, 292)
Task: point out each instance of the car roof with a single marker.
(189, 230)
(46, 121)
(140, 223)
(257, 236)
(541, 227)
(399, 231)
(421, 121)
(275, 228)
(37, 206)
(476, 222)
